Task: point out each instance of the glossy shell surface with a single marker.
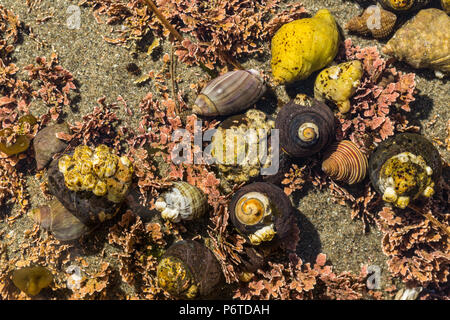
(46, 144)
(230, 93)
(305, 130)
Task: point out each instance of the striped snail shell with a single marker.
(188, 269)
(182, 202)
(305, 128)
(260, 212)
(343, 161)
(230, 93)
(59, 221)
(404, 167)
(365, 24)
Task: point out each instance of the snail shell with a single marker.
(446, 6)
(404, 167)
(430, 27)
(188, 269)
(183, 202)
(230, 93)
(378, 24)
(305, 130)
(403, 5)
(22, 141)
(343, 161)
(91, 184)
(260, 211)
(32, 280)
(59, 221)
(46, 144)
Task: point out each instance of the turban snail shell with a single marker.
(305, 128)
(405, 167)
(188, 269)
(230, 93)
(182, 202)
(343, 161)
(262, 212)
(90, 184)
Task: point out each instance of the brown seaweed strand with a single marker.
(172, 77)
(432, 219)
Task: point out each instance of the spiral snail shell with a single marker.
(260, 211)
(188, 269)
(230, 93)
(343, 161)
(404, 167)
(365, 24)
(182, 202)
(305, 128)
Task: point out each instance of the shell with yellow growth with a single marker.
(373, 21)
(343, 161)
(423, 42)
(446, 5)
(303, 46)
(339, 83)
(403, 5)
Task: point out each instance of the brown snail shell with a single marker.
(430, 27)
(371, 22)
(46, 144)
(262, 212)
(404, 167)
(305, 130)
(188, 269)
(343, 161)
(59, 221)
(230, 93)
(403, 5)
(182, 202)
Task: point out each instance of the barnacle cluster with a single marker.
(98, 171)
(404, 177)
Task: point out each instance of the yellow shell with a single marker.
(446, 5)
(424, 41)
(303, 46)
(252, 208)
(339, 83)
(32, 280)
(373, 21)
(345, 162)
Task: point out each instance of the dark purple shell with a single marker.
(201, 262)
(293, 115)
(46, 144)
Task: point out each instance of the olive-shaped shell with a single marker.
(303, 46)
(262, 212)
(32, 280)
(90, 183)
(182, 202)
(241, 147)
(188, 269)
(404, 167)
(46, 144)
(423, 41)
(339, 83)
(56, 219)
(305, 129)
(230, 93)
(446, 6)
(343, 161)
(373, 21)
(403, 5)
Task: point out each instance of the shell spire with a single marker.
(345, 162)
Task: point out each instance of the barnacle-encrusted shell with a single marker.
(32, 280)
(343, 161)
(91, 184)
(188, 269)
(405, 167)
(339, 83)
(303, 46)
(375, 21)
(238, 146)
(182, 202)
(230, 93)
(261, 212)
(305, 129)
(403, 5)
(46, 144)
(424, 41)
